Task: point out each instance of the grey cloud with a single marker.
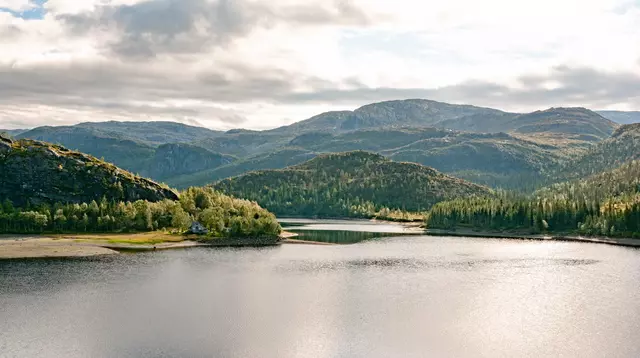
(577, 86)
(64, 84)
(11, 116)
(345, 13)
(110, 89)
(10, 32)
(193, 26)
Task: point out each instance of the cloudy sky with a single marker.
(266, 63)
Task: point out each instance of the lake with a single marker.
(389, 296)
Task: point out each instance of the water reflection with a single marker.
(337, 237)
(345, 231)
(349, 225)
(408, 296)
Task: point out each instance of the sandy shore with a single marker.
(82, 245)
(47, 247)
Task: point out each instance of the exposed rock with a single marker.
(5, 144)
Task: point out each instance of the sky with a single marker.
(261, 64)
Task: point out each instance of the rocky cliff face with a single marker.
(37, 172)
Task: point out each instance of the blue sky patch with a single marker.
(35, 13)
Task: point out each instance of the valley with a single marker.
(486, 146)
(555, 171)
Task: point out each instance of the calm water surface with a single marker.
(408, 296)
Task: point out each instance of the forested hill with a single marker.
(622, 147)
(620, 182)
(605, 204)
(354, 184)
(37, 172)
(48, 188)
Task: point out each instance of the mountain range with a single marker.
(483, 145)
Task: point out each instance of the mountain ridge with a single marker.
(446, 136)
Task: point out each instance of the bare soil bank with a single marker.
(84, 245)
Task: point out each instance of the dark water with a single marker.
(392, 297)
(337, 237)
(344, 231)
(344, 225)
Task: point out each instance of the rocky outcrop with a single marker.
(5, 143)
(36, 172)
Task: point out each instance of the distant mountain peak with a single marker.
(391, 114)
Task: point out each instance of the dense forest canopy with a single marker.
(605, 204)
(352, 184)
(223, 216)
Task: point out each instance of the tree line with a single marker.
(222, 215)
(581, 207)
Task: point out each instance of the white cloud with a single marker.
(17, 5)
(260, 64)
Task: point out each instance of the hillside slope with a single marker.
(622, 117)
(348, 184)
(271, 160)
(567, 121)
(176, 159)
(498, 160)
(37, 172)
(154, 133)
(622, 147)
(126, 150)
(624, 180)
(12, 132)
(112, 147)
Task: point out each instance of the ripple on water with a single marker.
(416, 263)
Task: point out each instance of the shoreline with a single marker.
(89, 245)
(46, 247)
(416, 222)
(566, 238)
(305, 242)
